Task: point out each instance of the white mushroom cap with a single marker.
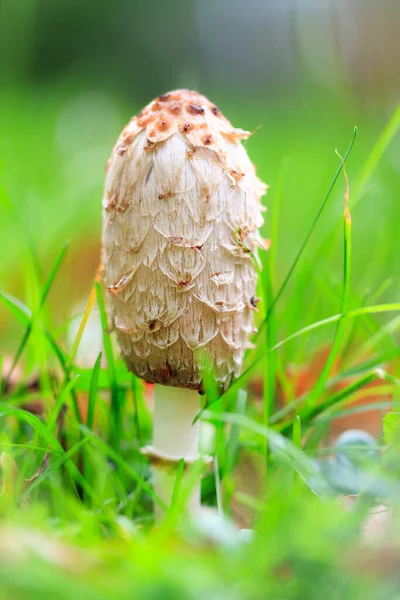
(181, 216)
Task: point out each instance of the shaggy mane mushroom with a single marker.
(181, 217)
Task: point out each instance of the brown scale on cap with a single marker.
(112, 201)
(142, 121)
(195, 109)
(164, 98)
(162, 125)
(126, 138)
(189, 113)
(237, 176)
(175, 109)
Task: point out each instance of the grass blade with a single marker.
(24, 315)
(281, 447)
(115, 457)
(68, 387)
(218, 489)
(137, 393)
(355, 371)
(177, 486)
(57, 464)
(376, 154)
(339, 333)
(17, 308)
(45, 434)
(268, 286)
(93, 392)
(307, 236)
(36, 313)
(297, 432)
(351, 314)
(115, 416)
(88, 309)
(308, 414)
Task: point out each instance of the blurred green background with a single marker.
(300, 72)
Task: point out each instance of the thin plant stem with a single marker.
(319, 386)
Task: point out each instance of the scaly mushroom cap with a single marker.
(181, 212)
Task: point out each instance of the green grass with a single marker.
(82, 525)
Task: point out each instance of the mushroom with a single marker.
(181, 217)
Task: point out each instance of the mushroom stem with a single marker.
(174, 437)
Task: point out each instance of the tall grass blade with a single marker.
(115, 414)
(68, 387)
(218, 489)
(46, 435)
(376, 154)
(308, 235)
(177, 486)
(93, 392)
(281, 447)
(17, 308)
(36, 313)
(308, 414)
(57, 464)
(351, 314)
(268, 277)
(88, 309)
(137, 400)
(120, 462)
(339, 333)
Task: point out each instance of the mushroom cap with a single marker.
(181, 214)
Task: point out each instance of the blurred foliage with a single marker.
(302, 549)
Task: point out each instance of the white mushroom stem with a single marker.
(174, 437)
